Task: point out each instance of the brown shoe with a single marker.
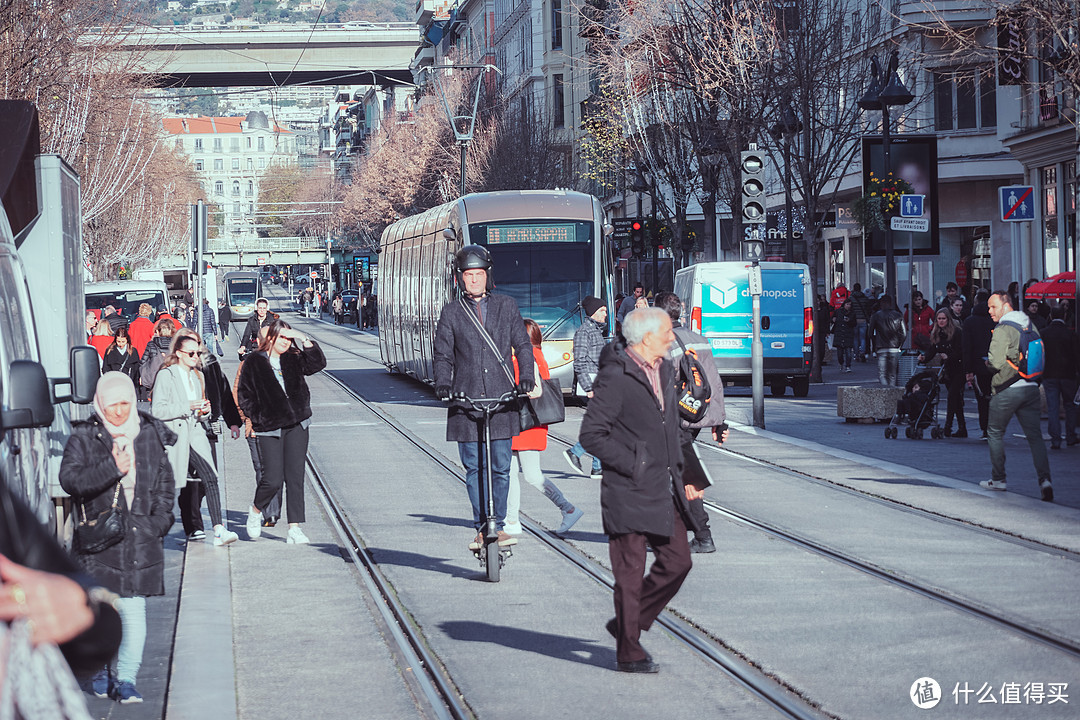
(506, 539)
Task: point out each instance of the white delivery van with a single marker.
(717, 304)
(127, 295)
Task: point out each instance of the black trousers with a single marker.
(283, 463)
(640, 598)
(191, 495)
(694, 474)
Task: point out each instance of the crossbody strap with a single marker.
(115, 500)
(487, 338)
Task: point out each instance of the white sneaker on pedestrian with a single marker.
(513, 528)
(993, 484)
(296, 536)
(254, 524)
(223, 536)
(569, 519)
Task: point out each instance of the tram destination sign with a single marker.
(511, 234)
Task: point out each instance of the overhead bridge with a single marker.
(374, 54)
(269, 251)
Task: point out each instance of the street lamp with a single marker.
(463, 117)
(787, 127)
(886, 90)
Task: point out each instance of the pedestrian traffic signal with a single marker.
(637, 238)
(753, 187)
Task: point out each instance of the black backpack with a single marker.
(692, 389)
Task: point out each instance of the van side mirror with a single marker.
(31, 397)
(84, 373)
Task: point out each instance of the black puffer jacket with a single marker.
(638, 445)
(135, 566)
(260, 396)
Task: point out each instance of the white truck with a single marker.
(47, 372)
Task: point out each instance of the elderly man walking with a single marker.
(632, 425)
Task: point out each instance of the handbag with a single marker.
(103, 531)
(547, 409)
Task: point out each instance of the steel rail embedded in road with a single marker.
(442, 698)
(750, 678)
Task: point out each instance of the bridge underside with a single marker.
(227, 78)
(251, 258)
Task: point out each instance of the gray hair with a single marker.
(641, 322)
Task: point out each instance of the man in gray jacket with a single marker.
(465, 363)
(589, 340)
(1012, 395)
(694, 472)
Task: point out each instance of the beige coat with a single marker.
(171, 405)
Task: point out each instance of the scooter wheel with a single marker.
(493, 561)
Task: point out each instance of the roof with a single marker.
(209, 125)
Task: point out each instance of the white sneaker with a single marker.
(993, 484)
(223, 536)
(296, 536)
(254, 524)
(513, 528)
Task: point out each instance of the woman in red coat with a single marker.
(527, 446)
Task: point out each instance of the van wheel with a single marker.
(800, 386)
(779, 387)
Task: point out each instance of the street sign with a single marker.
(961, 273)
(753, 250)
(1017, 203)
(314, 274)
(260, 261)
(905, 224)
(620, 235)
(911, 206)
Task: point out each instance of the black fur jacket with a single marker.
(261, 397)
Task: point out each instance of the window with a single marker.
(964, 100)
(556, 24)
(1049, 176)
(251, 188)
(234, 144)
(249, 142)
(262, 144)
(558, 103)
(198, 145)
(199, 165)
(219, 164)
(217, 144)
(180, 144)
(235, 187)
(219, 188)
(250, 162)
(236, 163)
(236, 208)
(262, 163)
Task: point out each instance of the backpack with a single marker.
(692, 389)
(151, 364)
(1032, 358)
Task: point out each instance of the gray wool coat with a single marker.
(465, 363)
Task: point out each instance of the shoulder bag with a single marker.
(101, 532)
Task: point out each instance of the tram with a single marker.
(549, 250)
(242, 289)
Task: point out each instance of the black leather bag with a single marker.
(102, 532)
(547, 409)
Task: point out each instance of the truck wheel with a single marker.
(800, 386)
(779, 387)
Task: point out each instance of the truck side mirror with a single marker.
(31, 397)
(85, 371)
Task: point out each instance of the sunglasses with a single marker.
(189, 353)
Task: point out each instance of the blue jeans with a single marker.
(1055, 390)
(577, 451)
(860, 339)
(1024, 403)
(133, 621)
(472, 458)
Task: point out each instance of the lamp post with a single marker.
(463, 118)
(787, 127)
(886, 90)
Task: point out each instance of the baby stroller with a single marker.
(917, 410)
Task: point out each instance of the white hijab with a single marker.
(112, 388)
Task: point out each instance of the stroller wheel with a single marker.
(918, 434)
(888, 433)
(908, 433)
(935, 433)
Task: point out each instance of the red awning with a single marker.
(1060, 286)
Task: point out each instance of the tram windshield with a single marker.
(242, 291)
(547, 267)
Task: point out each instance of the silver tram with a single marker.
(242, 289)
(548, 249)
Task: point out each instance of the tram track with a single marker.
(779, 696)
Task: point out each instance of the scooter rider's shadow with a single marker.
(560, 647)
(384, 556)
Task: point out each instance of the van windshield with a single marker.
(126, 302)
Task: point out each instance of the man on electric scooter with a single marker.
(465, 363)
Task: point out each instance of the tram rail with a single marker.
(780, 697)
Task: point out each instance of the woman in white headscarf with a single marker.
(118, 455)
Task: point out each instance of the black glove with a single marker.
(524, 388)
(442, 392)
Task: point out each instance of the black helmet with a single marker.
(473, 257)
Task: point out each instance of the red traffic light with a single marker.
(636, 225)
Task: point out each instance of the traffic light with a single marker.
(637, 238)
(753, 187)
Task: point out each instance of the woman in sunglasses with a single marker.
(273, 394)
(179, 400)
